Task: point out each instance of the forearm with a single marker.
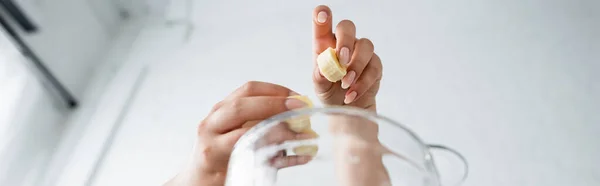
(194, 174)
(358, 155)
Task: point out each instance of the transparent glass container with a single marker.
(355, 148)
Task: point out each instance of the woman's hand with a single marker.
(354, 135)
(228, 121)
(360, 85)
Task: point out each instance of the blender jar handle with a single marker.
(434, 147)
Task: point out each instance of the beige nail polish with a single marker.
(292, 103)
(348, 79)
(292, 93)
(322, 17)
(350, 97)
(344, 56)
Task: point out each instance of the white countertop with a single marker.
(513, 85)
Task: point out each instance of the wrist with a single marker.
(361, 128)
(353, 155)
(195, 175)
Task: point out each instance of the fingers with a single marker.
(322, 35)
(228, 140)
(371, 74)
(280, 134)
(363, 51)
(288, 161)
(257, 88)
(234, 113)
(276, 135)
(345, 33)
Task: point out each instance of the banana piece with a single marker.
(311, 132)
(329, 65)
(301, 123)
(307, 150)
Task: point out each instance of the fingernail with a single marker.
(350, 97)
(292, 103)
(322, 17)
(292, 93)
(344, 56)
(348, 79)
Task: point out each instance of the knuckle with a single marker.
(367, 43)
(376, 64)
(358, 86)
(378, 73)
(207, 156)
(249, 86)
(235, 107)
(206, 150)
(376, 58)
(202, 126)
(317, 78)
(217, 106)
(346, 24)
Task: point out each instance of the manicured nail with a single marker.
(322, 17)
(292, 103)
(344, 56)
(350, 97)
(348, 79)
(292, 93)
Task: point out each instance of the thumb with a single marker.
(322, 39)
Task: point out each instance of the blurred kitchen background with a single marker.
(109, 92)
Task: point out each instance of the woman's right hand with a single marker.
(228, 121)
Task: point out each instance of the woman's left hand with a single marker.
(361, 83)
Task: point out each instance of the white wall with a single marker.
(31, 136)
(513, 85)
(73, 36)
(72, 41)
(108, 13)
(31, 120)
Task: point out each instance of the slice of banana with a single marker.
(308, 150)
(300, 123)
(311, 133)
(329, 65)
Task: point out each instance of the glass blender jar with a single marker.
(351, 147)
